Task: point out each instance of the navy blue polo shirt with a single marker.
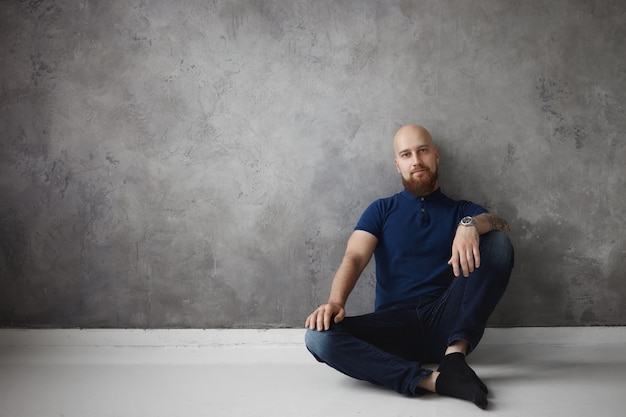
(414, 244)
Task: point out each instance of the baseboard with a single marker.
(278, 337)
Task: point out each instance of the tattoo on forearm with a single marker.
(497, 223)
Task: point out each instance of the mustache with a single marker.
(420, 168)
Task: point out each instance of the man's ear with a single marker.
(397, 167)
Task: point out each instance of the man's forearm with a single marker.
(344, 281)
(358, 253)
(488, 222)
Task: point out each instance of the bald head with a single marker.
(410, 133)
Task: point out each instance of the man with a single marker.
(441, 268)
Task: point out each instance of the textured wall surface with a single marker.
(202, 163)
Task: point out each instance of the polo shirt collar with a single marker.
(434, 196)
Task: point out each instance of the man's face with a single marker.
(416, 160)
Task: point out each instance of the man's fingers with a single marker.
(464, 265)
(476, 258)
(326, 319)
(313, 321)
(339, 316)
(469, 263)
(464, 262)
(321, 318)
(454, 262)
(310, 321)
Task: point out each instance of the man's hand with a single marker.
(465, 251)
(359, 250)
(320, 318)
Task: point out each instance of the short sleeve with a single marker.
(371, 220)
(471, 209)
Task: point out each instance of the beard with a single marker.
(421, 186)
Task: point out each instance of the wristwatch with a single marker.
(468, 221)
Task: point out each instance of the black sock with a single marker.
(455, 385)
(455, 362)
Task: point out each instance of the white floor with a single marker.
(222, 373)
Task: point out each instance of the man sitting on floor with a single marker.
(425, 311)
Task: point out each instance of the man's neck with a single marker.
(422, 193)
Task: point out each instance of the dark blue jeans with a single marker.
(389, 347)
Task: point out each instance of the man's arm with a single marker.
(488, 222)
(359, 251)
(465, 247)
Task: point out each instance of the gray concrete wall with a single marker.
(202, 163)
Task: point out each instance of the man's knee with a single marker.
(316, 343)
(496, 250)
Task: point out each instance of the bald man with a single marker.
(441, 268)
